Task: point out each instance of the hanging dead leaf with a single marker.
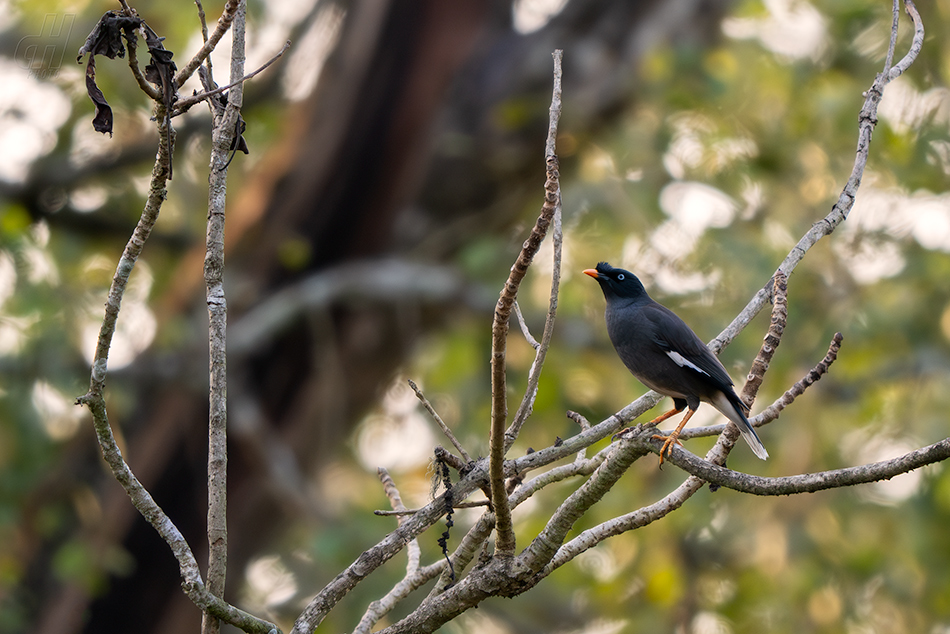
(105, 39)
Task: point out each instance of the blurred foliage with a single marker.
(767, 137)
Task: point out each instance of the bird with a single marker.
(664, 354)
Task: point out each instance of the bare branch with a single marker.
(138, 494)
(505, 543)
(584, 424)
(192, 582)
(636, 519)
(811, 482)
(94, 399)
(895, 22)
(424, 518)
(534, 374)
(580, 467)
(505, 537)
(217, 329)
(217, 607)
(704, 471)
(543, 548)
(204, 24)
(463, 505)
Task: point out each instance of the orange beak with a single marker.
(592, 272)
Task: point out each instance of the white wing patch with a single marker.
(683, 362)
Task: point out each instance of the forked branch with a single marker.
(505, 537)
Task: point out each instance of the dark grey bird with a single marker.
(667, 356)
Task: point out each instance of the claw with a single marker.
(653, 423)
(673, 438)
(668, 442)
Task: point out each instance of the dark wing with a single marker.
(684, 347)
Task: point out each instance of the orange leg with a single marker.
(656, 421)
(673, 437)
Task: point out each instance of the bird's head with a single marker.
(617, 283)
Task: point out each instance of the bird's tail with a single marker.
(734, 412)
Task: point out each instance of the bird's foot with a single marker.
(668, 442)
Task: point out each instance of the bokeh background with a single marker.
(396, 166)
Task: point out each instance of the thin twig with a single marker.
(398, 513)
(915, 46)
(534, 374)
(554, 113)
(524, 328)
(895, 22)
(441, 423)
(395, 500)
(584, 424)
(463, 505)
(202, 19)
(184, 103)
